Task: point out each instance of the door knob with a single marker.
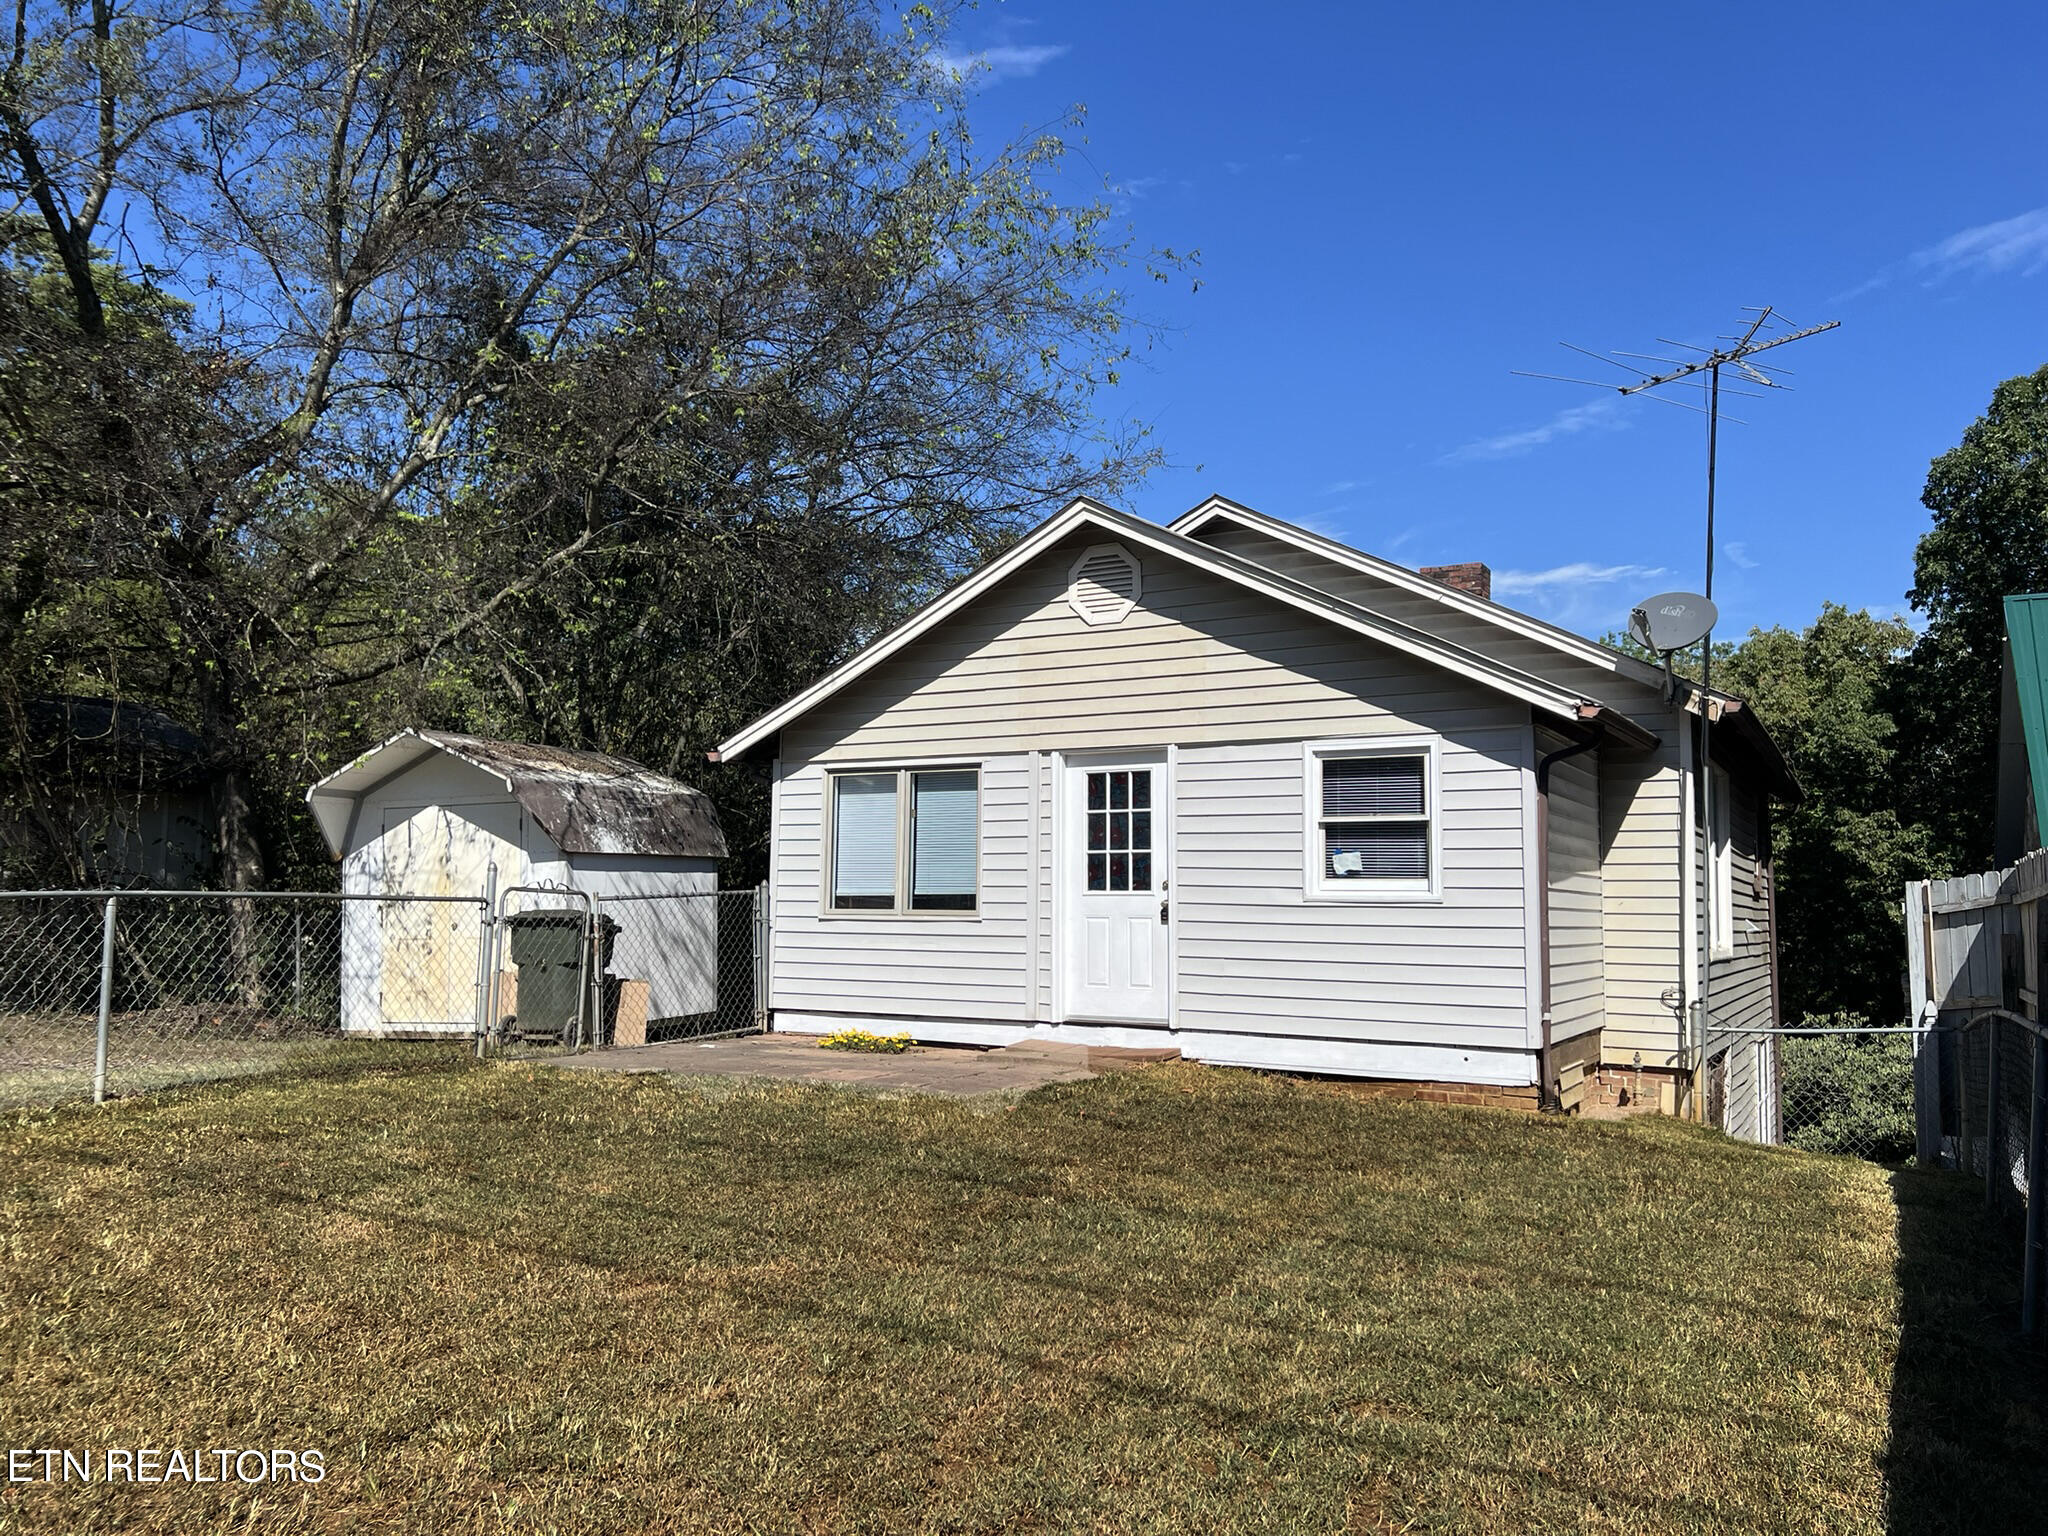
(1162, 911)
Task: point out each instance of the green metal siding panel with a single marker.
(2026, 628)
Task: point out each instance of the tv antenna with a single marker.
(1738, 352)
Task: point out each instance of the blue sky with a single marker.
(1396, 207)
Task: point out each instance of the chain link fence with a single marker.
(108, 993)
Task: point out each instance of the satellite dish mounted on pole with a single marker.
(1737, 352)
(1672, 621)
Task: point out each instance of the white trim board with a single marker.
(1564, 703)
(1272, 1053)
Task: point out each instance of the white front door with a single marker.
(1114, 866)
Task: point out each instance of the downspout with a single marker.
(1546, 1086)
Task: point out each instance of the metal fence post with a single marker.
(298, 960)
(99, 1054)
(2037, 1208)
(485, 978)
(763, 936)
(1993, 1139)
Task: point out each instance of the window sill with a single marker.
(877, 914)
(1401, 896)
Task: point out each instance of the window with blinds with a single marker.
(1373, 821)
(864, 841)
(905, 840)
(942, 826)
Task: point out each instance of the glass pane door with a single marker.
(1119, 829)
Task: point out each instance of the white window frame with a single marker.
(1317, 889)
(1721, 863)
(828, 821)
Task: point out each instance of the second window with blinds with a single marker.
(1371, 819)
(903, 840)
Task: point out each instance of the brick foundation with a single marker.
(1635, 1091)
(1475, 1095)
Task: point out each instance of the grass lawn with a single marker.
(502, 1298)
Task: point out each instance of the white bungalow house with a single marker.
(440, 814)
(1234, 787)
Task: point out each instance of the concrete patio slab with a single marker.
(958, 1071)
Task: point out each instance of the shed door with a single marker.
(427, 969)
(1114, 864)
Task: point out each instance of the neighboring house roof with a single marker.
(1551, 698)
(128, 745)
(588, 802)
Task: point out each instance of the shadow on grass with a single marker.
(1968, 1392)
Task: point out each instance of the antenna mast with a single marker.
(1737, 352)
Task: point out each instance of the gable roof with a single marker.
(588, 802)
(1539, 693)
(1513, 620)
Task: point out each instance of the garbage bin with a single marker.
(547, 949)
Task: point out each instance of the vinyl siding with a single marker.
(1200, 660)
(1638, 807)
(1641, 820)
(1255, 958)
(1578, 989)
(1741, 979)
(924, 966)
(1236, 682)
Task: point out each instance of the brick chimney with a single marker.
(1470, 577)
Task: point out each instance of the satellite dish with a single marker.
(1671, 621)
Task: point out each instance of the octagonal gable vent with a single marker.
(1103, 586)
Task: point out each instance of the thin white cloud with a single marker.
(1738, 555)
(1142, 186)
(1339, 487)
(1579, 596)
(999, 61)
(1599, 416)
(1580, 573)
(2017, 245)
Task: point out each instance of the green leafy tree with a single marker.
(518, 329)
(1989, 497)
(1844, 853)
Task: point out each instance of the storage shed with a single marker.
(429, 812)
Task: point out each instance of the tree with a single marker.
(1989, 497)
(1845, 852)
(515, 311)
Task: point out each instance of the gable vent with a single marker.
(1103, 586)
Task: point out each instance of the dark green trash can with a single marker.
(546, 949)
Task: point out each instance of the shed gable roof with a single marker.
(588, 802)
(1548, 697)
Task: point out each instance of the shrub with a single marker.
(864, 1040)
(1848, 1093)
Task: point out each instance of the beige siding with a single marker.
(1256, 957)
(1741, 980)
(1201, 660)
(1641, 822)
(1578, 993)
(1535, 657)
(1742, 977)
(928, 966)
(1236, 683)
